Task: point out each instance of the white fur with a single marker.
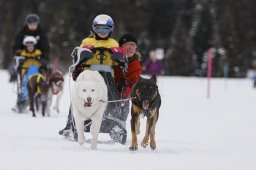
(89, 84)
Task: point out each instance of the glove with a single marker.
(43, 61)
(85, 54)
(76, 72)
(118, 54)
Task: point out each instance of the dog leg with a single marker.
(80, 128)
(31, 101)
(95, 127)
(134, 122)
(43, 108)
(56, 106)
(144, 142)
(152, 132)
(138, 126)
(49, 103)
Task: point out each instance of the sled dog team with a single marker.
(89, 98)
(107, 76)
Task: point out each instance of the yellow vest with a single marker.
(39, 76)
(33, 54)
(30, 59)
(98, 58)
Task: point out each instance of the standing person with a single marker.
(153, 65)
(33, 28)
(126, 80)
(100, 52)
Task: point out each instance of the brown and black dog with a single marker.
(37, 85)
(145, 100)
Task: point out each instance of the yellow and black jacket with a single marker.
(100, 56)
(31, 58)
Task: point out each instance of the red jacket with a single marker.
(133, 72)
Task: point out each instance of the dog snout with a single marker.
(147, 98)
(89, 99)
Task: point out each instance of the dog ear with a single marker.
(153, 78)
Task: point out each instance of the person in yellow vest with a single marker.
(100, 52)
(30, 53)
(28, 62)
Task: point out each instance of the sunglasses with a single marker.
(102, 29)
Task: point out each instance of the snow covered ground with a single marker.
(193, 132)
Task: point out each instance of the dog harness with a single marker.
(57, 76)
(39, 76)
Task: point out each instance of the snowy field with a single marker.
(193, 132)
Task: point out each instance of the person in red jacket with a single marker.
(125, 78)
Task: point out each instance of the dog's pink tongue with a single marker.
(87, 104)
(145, 105)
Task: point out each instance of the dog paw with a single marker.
(144, 145)
(133, 148)
(153, 147)
(93, 147)
(81, 142)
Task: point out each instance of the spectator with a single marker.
(153, 65)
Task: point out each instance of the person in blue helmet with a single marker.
(100, 52)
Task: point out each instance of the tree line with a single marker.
(185, 29)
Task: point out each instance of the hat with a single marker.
(127, 37)
(32, 18)
(29, 39)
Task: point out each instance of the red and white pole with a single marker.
(209, 72)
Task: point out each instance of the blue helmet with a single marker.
(102, 24)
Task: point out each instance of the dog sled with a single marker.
(115, 115)
(23, 75)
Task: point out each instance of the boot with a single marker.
(66, 129)
(69, 126)
(118, 134)
(21, 106)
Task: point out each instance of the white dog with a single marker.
(88, 93)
